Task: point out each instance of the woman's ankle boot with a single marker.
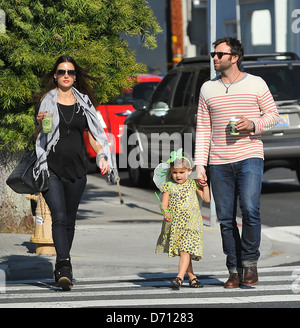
(63, 274)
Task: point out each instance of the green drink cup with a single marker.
(233, 130)
(47, 123)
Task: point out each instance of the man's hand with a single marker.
(201, 176)
(243, 124)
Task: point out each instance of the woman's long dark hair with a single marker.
(82, 77)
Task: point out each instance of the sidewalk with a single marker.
(114, 239)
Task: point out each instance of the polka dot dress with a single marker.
(184, 232)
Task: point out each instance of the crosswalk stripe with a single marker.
(154, 276)
(166, 291)
(154, 290)
(139, 284)
(158, 302)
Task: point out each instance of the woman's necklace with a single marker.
(67, 123)
(230, 84)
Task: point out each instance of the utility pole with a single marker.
(238, 19)
(213, 33)
(176, 31)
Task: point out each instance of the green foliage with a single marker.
(91, 31)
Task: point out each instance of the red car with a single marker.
(115, 112)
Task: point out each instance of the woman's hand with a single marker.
(38, 128)
(40, 117)
(104, 166)
(101, 159)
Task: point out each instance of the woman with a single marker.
(61, 153)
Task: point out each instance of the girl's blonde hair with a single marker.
(184, 162)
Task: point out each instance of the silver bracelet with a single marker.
(99, 156)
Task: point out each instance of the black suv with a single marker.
(168, 120)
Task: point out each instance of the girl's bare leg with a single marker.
(184, 264)
(194, 282)
(190, 271)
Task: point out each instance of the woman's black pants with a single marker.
(63, 198)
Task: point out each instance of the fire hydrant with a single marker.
(42, 235)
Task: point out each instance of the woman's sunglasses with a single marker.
(221, 54)
(62, 72)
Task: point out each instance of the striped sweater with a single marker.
(249, 97)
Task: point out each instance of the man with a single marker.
(236, 161)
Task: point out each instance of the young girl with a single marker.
(182, 229)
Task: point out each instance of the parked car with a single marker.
(114, 113)
(170, 115)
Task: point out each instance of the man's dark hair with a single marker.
(235, 46)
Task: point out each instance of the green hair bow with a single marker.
(177, 155)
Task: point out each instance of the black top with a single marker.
(68, 159)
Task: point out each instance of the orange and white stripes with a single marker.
(249, 97)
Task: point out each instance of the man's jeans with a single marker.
(241, 179)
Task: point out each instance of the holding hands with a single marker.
(201, 176)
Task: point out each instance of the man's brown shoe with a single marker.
(233, 281)
(250, 276)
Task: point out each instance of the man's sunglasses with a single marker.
(221, 54)
(71, 72)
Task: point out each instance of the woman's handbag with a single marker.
(21, 179)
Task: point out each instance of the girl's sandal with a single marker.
(176, 282)
(195, 283)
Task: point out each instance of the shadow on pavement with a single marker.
(275, 187)
(162, 280)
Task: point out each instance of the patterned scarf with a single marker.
(47, 141)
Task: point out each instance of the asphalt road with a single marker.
(280, 199)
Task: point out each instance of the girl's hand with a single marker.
(165, 205)
(167, 215)
(103, 165)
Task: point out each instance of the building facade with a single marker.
(262, 25)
